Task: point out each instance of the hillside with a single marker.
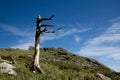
(58, 64)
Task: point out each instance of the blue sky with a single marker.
(90, 28)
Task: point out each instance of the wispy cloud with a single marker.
(24, 45)
(106, 44)
(114, 56)
(92, 50)
(62, 33)
(15, 31)
(113, 64)
(67, 29)
(77, 38)
(115, 20)
(110, 35)
(29, 35)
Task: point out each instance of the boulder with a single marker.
(7, 68)
(103, 77)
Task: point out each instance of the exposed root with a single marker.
(36, 69)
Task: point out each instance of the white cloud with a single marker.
(112, 34)
(104, 44)
(61, 34)
(15, 31)
(98, 51)
(114, 56)
(115, 20)
(107, 44)
(24, 45)
(29, 40)
(115, 67)
(77, 39)
(29, 35)
(113, 64)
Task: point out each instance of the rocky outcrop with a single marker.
(7, 67)
(103, 77)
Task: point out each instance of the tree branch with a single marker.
(47, 25)
(50, 31)
(47, 18)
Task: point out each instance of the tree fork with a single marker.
(35, 65)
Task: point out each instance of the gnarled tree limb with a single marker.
(51, 31)
(47, 25)
(48, 18)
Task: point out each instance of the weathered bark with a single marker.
(35, 66)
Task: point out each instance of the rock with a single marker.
(7, 68)
(103, 76)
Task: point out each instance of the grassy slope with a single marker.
(57, 63)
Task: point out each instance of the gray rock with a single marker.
(103, 76)
(7, 68)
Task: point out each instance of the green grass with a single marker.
(54, 70)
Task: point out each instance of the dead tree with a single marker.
(39, 30)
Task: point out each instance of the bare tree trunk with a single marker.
(37, 54)
(35, 66)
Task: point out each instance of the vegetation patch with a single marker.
(55, 65)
